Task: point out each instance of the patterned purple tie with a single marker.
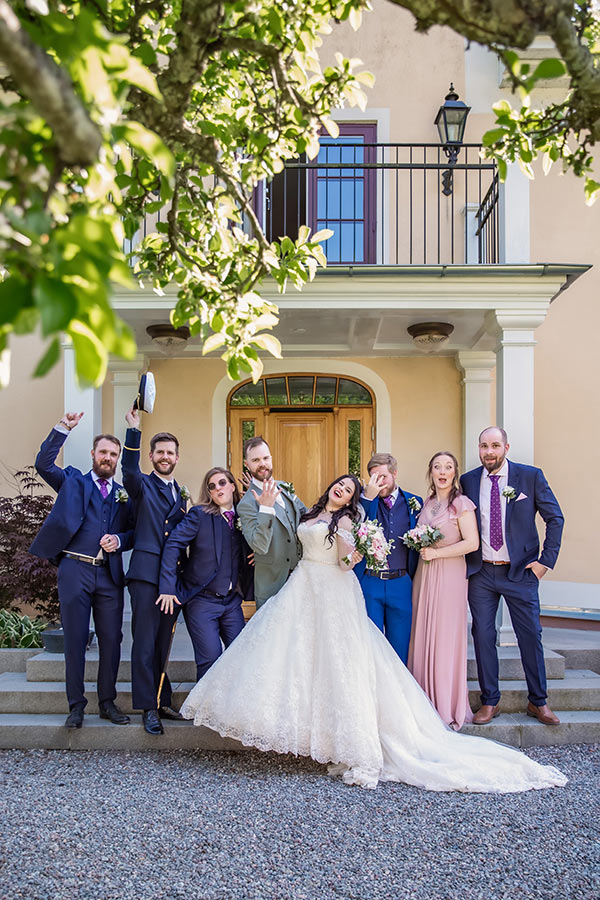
(103, 484)
(496, 539)
(388, 501)
(229, 515)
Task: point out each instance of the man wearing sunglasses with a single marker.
(158, 507)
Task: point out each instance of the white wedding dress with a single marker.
(311, 675)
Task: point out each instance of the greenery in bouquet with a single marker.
(370, 540)
(422, 536)
(26, 579)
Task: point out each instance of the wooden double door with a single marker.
(309, 448)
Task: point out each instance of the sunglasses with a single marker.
(221, 483)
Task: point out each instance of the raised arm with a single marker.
(133, 479)
(45, 461)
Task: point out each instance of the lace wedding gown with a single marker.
(310, 674)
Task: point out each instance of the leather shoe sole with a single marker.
(152, 723)
(165, 712)
(484, 718)
(543, 714)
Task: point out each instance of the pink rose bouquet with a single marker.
(369, 540)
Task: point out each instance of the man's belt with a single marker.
(81, 557)
(490, 562)
(214, 594)
(387, 574)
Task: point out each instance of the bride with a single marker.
(311, 675)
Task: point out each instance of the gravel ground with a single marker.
(225, 826)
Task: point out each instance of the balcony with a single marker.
(389, 204)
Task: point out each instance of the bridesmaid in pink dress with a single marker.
(437, 655)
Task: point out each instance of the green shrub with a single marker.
(20, 631)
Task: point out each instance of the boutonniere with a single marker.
(185, 492)
(288, 487)
(238, 523)
(121, 495)
(509, 492)
(414, 505)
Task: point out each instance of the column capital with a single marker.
(515, 327)
(476, 365)
(127, 371)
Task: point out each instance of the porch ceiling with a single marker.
(367, 310)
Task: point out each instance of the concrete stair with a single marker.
(33, 705)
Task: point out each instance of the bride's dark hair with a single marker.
(353, 509)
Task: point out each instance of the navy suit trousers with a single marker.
(522, 598)
(151, 630)
(389, 606)
(210, 621)
(83, 589)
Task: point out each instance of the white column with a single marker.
(477, 367)
(513, 216)
(515, 379)
(87, 400)
(125, 379)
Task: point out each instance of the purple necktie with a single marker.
(496, 539)
(388, 501)
(103, 484)
(229, 515)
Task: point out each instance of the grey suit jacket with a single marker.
(274, 541)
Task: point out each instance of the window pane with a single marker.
(352, 242)
(301, 390)
(276, 392)
(352, 394)
(354, 447)
(325, 395)
(331, 247)
(249, 395)
(248, 429)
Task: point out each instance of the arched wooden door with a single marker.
(317, 426)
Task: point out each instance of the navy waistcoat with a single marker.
(395, 523)
(95, 524)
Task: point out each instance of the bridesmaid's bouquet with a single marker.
(422, 536)
(369, 540)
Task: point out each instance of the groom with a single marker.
(388, 594)
(508, 563)
(269, 514)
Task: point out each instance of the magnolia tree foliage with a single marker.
(564, 131)
(115, 109)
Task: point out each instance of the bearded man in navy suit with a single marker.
(159, 506)
(85, 534)
(508, 564)
(388, 593)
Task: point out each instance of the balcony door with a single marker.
(337, 190)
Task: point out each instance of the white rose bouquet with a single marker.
(369, 540)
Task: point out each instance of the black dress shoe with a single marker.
(152, 723)
(75, 718)
(108, 710)
(165, 712)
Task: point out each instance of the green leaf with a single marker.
(149, 144)
(549, 68)
(56, 302)
(49, 359)
(90, 354)
(15, 295)
(493, 136)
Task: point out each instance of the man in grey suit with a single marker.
(269, 514)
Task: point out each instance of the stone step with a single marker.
(51, 666)
(22, 731)
(579, 689)
(519, 730)
(18, 695)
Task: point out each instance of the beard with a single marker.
(262, 473)
(164, 468)
(104, 469)
(492, 465)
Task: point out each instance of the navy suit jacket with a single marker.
(521, 536)
(156, 513)
(202, 533)
(371, 507)
(74, 490)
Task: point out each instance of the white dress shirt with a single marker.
(169, 482)
(96, 478)
(485, 493)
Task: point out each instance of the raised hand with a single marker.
(167, 603)
(132, 417)
(245, 482)
(70, 420)
(373, 486)
(269, 495)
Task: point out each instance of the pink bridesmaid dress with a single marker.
(437, 656)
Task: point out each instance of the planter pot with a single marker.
(54, 640)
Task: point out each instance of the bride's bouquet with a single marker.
(369, 540)
(422, 536)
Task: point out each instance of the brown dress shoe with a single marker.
(543, 713)
(485, 714)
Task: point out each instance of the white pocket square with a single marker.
(521, 497)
